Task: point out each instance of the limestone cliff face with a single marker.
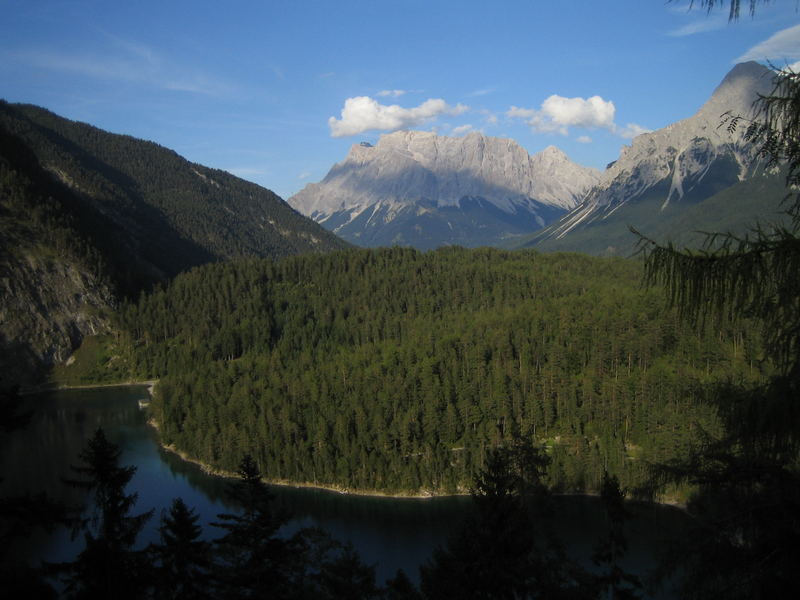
(47, 306)
(683, 162)
(424, 189)
(51, 292)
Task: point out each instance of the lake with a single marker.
(390, 533)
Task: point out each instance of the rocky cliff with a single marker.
(426, 190)
(53, 291)
(685, 163)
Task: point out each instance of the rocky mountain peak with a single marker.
(685, 161)
(553, 152)
(738, 90)
(422, 171)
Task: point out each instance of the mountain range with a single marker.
(90, 218)
(695, 174)
(424, 190)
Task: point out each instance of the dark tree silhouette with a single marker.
(253, 560)
(614, 581)
(505, 549)
(182, 559)
(108, 566)
(21, 515)
(747, 500)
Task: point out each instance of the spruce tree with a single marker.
(253, 561)
(108, 566)
(747, 500)
(505, 549)
(183, 560)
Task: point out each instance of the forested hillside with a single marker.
(170, 213)
(396, 370)
(89, 217)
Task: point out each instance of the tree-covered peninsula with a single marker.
(394, 370)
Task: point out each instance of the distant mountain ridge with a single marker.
(666, 172)
(425, 190)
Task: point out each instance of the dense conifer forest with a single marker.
(396, 370)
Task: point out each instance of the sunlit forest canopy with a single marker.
(395, 370)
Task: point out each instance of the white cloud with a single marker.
(461, 129)
(363, 113)
(784, 46)
(579, 112)
(392, 93)
(584, 139)
(558, 113)
(304, 175)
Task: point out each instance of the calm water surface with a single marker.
(390, 533)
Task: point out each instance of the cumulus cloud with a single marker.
(584, 139)
(784, 46)
(558, 114)
(363, 113)
(461, 129)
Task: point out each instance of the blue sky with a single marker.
(277, 91)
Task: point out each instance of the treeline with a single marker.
(396, 370)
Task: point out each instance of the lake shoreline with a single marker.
(210, 470)
(43, 388)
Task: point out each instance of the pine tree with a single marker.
(108, 566)
(747, 481)
(505, 550)
(183, 560)
(21, 515)
(253, 560)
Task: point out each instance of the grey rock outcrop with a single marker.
(47, 306)
(686, 161)
(414, 187)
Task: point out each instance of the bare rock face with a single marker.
(47, 306)
(426, 190)
(683, 162)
